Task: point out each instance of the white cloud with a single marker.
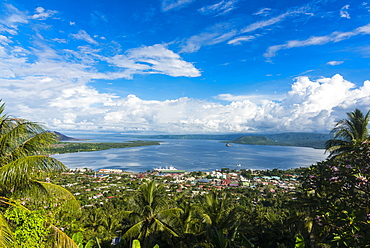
(310, 105)
(224, 31)
(41, 14)
(263, 12)
(335, 62)
(174, 4)
(239, 40)
(82, 35)
(265, 23)
(344, 12)
(13, 18)
(215, 35)
(317, 40)
(253, 98)
(60, 40)
(154, 59)
(220, 8)
(4, 40)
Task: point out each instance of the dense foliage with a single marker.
(68, 147)
(21, 190)
(338, 191)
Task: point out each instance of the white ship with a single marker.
(167, 169)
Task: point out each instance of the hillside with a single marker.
(62, 137)
(315, 140)
(254, 140)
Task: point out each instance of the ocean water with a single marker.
(192, 155)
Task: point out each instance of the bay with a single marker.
(191, 155)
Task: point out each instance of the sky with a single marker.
(185, 66)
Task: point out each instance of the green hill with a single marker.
(254, 140)
(315, 140)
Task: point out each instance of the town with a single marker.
(93, 188)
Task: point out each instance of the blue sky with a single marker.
(185, 66)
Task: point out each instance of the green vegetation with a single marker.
(254, 140)
(21, 168)
(324, 205)
(314, 140)
(349, 133)
(69, 147)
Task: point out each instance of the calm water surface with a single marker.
(192, 155)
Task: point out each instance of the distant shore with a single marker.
(72, 147)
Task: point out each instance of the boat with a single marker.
(228, 144)
(170, 169)
(238, 165)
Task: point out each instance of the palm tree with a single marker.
(150, 214)
(21, 164)
(348, 133)
(220, 218)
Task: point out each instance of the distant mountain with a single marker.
(315, 140)
(63, 137)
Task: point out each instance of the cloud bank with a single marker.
(310, 105)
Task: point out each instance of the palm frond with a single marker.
(61, 240)
(134, 231)
(163, 227)
(19, 173)
(6, 235)
(63, 195)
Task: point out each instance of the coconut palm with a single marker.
(348, 133)
(220, 218)
(150, 214)
(21, 165)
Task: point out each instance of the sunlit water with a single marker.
(192, 155)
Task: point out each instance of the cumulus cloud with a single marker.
(220, 8)
(335, 62)
(310, 105)
(317, 40)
